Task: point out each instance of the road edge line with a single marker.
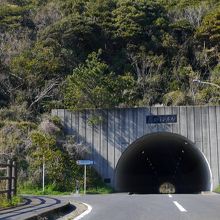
(89, 209)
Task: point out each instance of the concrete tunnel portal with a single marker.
(163, 163)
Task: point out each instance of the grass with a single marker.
(5, 203)
(49, 190)
(99, 190)
(217, 190)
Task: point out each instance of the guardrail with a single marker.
(10, 177)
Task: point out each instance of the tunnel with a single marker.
(163, 163)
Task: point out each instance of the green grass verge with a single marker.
(217, 190)
(5, 203)
(99, 190)
(49, 190)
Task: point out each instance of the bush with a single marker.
(15, 113)
(5, 203)
(174, 98)
(217, 190)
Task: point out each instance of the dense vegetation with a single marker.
(97, 53)
(75, 53)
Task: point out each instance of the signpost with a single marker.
(84, 163)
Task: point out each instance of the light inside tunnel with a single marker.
(156, 161)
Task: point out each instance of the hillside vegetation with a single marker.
(106, 53)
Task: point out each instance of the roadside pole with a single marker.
(85, 179)
(43, 172)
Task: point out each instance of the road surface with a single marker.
(152, 207)
(33, 206)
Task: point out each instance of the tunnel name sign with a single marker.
(158, 119)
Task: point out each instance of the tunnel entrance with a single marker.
(162, 163)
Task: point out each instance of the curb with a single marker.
(89, 209)
(48, 212)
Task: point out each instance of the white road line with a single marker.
(84, 213)
(179, 206)
(170, 196)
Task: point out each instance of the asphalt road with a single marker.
(152, 207)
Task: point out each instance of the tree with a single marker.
(207, 38)
(209, 31)
(180, 88)
(138, 20)
(100, 11)
(175, 98)
(13, 16)
(57, 163)
(77, 33)
(145, 63)
(93, 85)
(208, 93)
(38, 71)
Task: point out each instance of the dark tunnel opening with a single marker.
(162, 163)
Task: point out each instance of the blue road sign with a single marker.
(84, 162)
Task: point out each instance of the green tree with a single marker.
(13, 16)
(38, 71)
(77, 33)
(206, 93)
(93, 85)
(209, 31)
(100, 11)
(58, 165)
(138, 20)
(180, 88)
